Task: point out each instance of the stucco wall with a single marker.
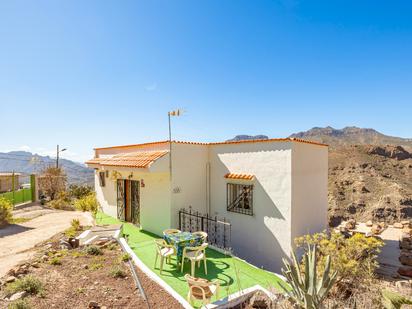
(154, 198)
(264, 238)
(188, 178)
(309, 189)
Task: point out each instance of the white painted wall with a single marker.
(188, 178)
(263, 238)
(309, 189)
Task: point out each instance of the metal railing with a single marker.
(218, 230)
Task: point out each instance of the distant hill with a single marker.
(28, 163)
(246, 137)
(370, 173)
(352, 136)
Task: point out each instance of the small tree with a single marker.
(52, 182)
(354, 258)
(6, 208)
(79, 191)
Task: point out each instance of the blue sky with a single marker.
(97, 73)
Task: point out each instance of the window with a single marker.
(102, 179)
(240, 198)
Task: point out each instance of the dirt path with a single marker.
(16, 240)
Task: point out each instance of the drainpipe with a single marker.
(208, 188)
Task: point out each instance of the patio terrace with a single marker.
(232, 273)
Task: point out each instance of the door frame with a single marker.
(128, 200)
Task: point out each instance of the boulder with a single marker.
(403, 284)
(406, 223)
(406, 242)
(18, 295)
(406, 259)
(369, 223)
(10, 279)
(376, 229)
(398, 225)
(350, 224)
(93, 305)
(405, 271)
(65, 245)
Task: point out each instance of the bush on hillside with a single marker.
(79, 191)
(354, 258)
(87, 203)
(6, 208)
(62, 201)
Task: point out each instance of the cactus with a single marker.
(307, 289)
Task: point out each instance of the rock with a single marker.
(369, 223)
(405, 223)
(406, 242)
(44, 258)
(350, 224)
(18, 295)
(85, 266)
(93, 305)
(10, 279)
(403, 284)
(397, 225)
(376, 229)
(65, 245)
(405, 271)
(383, 225)
(259, 300)
(406, 259)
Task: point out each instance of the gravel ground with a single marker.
(82, 278)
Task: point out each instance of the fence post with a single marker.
(33, 187)
(13, 187)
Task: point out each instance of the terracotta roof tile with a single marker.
(239, 176)
(289, 139)
(141, 159)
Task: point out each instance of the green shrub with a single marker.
(6, 208)
(19, 304)
(117, 272)
(62, 201)
(87, 203)
(55, 261)
(30, 284)
(125, 257)
(79, 191)
(95, 266)
(93, 250)
(75, 223)
(354, 258)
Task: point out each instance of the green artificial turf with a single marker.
(232, 273)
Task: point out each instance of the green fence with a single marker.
(18, 196)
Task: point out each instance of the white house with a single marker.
(270, 191)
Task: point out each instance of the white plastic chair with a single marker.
(201, 289)
(194, 254)
(171, 231)
(164, 250)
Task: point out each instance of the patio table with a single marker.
(182, 240)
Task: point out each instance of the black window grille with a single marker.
(240, 198)
(102, 179)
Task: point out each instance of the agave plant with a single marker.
(306, 287)
(394, 300)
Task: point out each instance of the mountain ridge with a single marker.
(28, 163)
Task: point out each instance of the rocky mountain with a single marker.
(370, 173)
(246, 137)
(370, 183)
(28, 163)
(352, 136)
